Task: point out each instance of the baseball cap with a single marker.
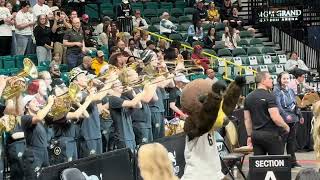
(75, 72)
(100, 53)
(181, 78)
(125, 1)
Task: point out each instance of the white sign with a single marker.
(279, 15)
(270, 176)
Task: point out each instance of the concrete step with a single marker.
(281, 52)
(268, 43)
(259, 35)
(264, 39)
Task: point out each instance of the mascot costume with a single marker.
(208, 105)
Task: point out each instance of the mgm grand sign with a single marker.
(279, 15)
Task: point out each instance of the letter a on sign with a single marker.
(270, 176)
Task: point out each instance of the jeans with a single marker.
(22, 43)
(74, 60)
(43, 54)
(290, 141)
(59, 48)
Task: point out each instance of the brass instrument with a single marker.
(16, 84)
(8, 123)
(62, 104)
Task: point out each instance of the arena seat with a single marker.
(239, 52)
(219, 27)
(268, 50)
(151, 5)
(243, 43)
(245, 34)
(166, 5)
(180, 4)
(160, 11)
(8, 62)
(189, 11)
(149, 13)
(252, 51)
(256, 42)
(137, 6)
(155, 20)
(19, 61)
(177, 37)
(176, 12)
(224, 52)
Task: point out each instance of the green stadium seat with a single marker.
(91, 10)
(153, 29)
(176, 12)
(185, 19)
(45, 63)
(65, 77)
(8, 62)
(174, 20)
(109, 13)
(256, 42)
(14, 71)
(137, 6)
(4, 72)
(206, 27)
(161, 11)
(239, 52)
(243, 43)
(253, 51)
(19, 61)
(106, 6)
(149, 13)
(63, 67)
(116, 2)
(245, 34)
(180, 4)
(155, 20)
(219, 35)
(189, 11)
(33, 58)
(166, 5)
(224, 52)
(42, 68)
(176, 37)
(219, 27)
(268, 50)
(210, 51)
(151, 5)
(181, 29)
(197, 43)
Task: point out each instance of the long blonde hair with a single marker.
(154, 163)
(316, 128)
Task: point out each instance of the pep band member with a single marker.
(36, 154)
(289, 111)
(90, 136)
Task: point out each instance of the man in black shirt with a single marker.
(262, 119)
(200, 13)
(74, 41)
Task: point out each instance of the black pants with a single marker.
(267, 142)
(290, 141)
(5, 45)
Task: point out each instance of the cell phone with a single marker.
(58, 14)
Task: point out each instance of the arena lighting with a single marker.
(279, 15)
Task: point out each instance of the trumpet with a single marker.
(17, 84)
(8, 123)
(63, 103)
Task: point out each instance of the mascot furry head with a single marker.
(209, 104)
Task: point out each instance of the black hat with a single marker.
(150, 42)
(24, 4)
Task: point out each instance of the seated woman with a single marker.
(210, 40)
(231, 37)
(198, 58)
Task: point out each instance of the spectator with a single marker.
(144, 39)
(99, 28)
(198, 58)
(211, 75)
(73, 40)
(98, 62)
(113, 50)
(200, 13)
(86, 65)
(24, 28)
(151, 45)
(104, 37)
(299, 85)
(195, 32)
(226, 11)
(295, 63)
(117, 59)
(308, 174)
(210, 39)
(42, 34)
(40, 8)
(132, 50)
(136, 33)
(87, 32)
(235, 21)
(124, 9)
(73, 14)
(59, 26)
(162, 45)
(138, 21)
(56, 58)
(121, 45)
(55, 71)
(6, 22)
(166, 26)
(213, 13)
(230, 37)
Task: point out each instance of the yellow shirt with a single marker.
(96, 65)
(212, 14)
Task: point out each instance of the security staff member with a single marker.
(262, 119)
